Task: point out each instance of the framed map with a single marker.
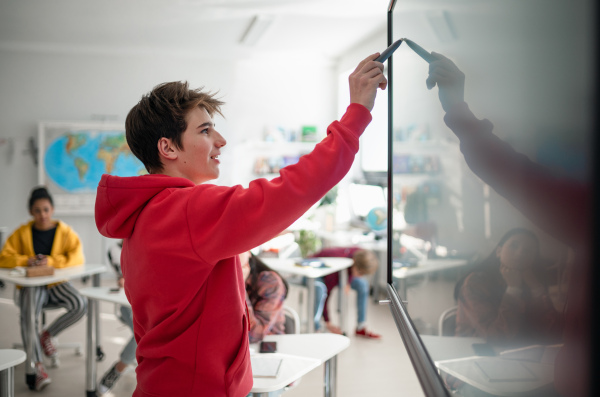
(72, 158)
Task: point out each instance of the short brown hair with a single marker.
(161, 114)
(365, 261)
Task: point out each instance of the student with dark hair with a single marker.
(505, 299)
(266, 291)
(182, 236)
(559, 206)
(45, 241)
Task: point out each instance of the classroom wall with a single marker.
(48, 84)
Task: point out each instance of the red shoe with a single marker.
(47, 345)
(41, 377)
(367, 334)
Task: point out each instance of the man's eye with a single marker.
(204, 131)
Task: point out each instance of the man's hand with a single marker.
(364, 81)
(449, 79)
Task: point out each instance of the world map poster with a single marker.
(72, 158)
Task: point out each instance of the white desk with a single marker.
(319, 348)
(301, 352)
(334, 265)
(467, 370)
(95, 295)
(9, 358)
(455, 356)
(449, 347)
(425, 267)
(32, 282)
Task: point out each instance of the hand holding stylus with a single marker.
(449, 79)
(364, 81)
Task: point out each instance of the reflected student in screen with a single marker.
(559, 206)
(504, 299)
(45, 241)
(182, 236)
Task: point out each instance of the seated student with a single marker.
(505, 299)
(265, 292)
(40, 242)
(365, 263)
(127, 357)
(182, 236)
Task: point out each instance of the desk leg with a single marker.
(310, 304)
(99, 351)
(330, 384)
(7, 382)
(30, 363)
(90, 356)
(343, 300)
(260, 394)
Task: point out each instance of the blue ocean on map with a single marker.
(78, 169)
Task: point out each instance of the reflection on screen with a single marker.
(503, 294)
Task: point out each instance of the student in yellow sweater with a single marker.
(45, 241)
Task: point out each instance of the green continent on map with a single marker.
(75, 141)
(82, 167)
(110, 148)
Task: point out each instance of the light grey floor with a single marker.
(366, 368)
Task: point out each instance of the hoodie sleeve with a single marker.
(225, 221)
(557, 205)
(14, 253)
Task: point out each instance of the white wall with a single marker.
(47, 85)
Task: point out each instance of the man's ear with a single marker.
(166, 149)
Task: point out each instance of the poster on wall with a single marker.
(72, 158)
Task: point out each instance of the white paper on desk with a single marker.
(264, 366)
(498, 370)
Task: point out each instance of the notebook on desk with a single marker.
(265, 366)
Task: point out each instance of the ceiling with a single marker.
(199, 28)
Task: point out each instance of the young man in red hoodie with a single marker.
(182, 237)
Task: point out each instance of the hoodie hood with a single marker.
(119, 200)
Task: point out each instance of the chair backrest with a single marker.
(292, 320)
(447, 322)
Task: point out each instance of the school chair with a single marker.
(447, 322)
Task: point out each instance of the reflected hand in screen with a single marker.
(449, 79)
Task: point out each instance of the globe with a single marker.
(377, 218)
(76, 161)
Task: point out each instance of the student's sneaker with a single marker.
(367, 334)
(109, 379)
(41, 377)
(47, 344)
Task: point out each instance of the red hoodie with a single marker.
(184, 279)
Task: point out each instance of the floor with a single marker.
(366, 368)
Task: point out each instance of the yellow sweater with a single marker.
(66, 248)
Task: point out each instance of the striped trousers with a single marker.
(62, 295)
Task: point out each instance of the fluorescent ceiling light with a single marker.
(257, 28)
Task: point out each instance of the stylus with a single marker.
(420, 51)
(388, 51)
